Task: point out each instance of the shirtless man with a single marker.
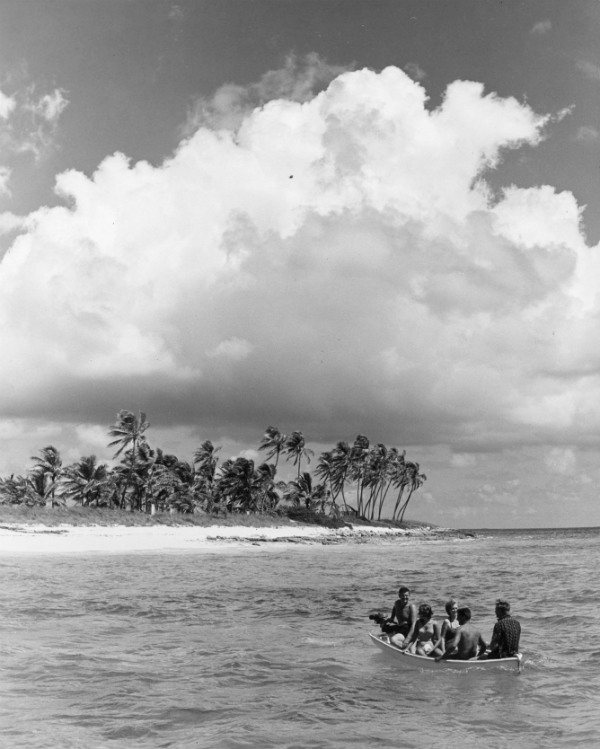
(467, 642)
(403, 619)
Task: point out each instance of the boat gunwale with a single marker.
(450, 664)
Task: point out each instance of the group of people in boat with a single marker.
(456, 637)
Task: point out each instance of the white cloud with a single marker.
(5, 173)
(561, 460)
(541, 27)
(299, 80)
(335, 263)
(249, 455)
(48, 107)
(33, 127)
(7, 105)
(93, 437)
(587, 134)
(234, 349)
(415, 71)
(463, 460)
(28, 125)
(589, 69)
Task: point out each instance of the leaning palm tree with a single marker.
(295, 448)
(340, 471)
(394, 460)
(265, 488)
(128, 432)
(302, 491)
(415, 481)
(408, 480)
(206, 461)
(87, 482)
(48, 471)
(236, 487)
(171, 485)
(22, 490)
(358, 457)
(375, 479)
(328, 470)
(273, 441)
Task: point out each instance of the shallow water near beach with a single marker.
(268, 647)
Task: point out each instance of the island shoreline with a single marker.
(28, 538)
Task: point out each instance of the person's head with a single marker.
(502, 608)
(451, 608)
(404, 593)
(425, 612)
(464, 615)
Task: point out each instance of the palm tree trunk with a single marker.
(405, 505)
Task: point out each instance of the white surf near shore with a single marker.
(65, 539)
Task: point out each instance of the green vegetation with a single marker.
(355, 481)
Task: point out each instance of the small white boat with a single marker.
(409, 660)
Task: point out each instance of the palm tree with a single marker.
(87, 482)
(141, 470)
(295, 448)
(407, 478)
(235, 486)
(264, 488)
(302, 492)
(171, 484)
(17, 490)
(47, 471)
(273, 441)
(358, 456)
(394, 460)
(205, 460)
(128, 431)
(327, 469)
(375, 478)
(341, 463)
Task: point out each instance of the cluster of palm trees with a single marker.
(354, 478)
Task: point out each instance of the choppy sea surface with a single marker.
(269, 648)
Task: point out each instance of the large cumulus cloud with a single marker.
(336, 264)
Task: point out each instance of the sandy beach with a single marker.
(64, 539)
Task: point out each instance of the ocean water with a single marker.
(268, 647)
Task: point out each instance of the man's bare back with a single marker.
(467, 642)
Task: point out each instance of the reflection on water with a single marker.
(269, 649)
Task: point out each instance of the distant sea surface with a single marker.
(268, 647)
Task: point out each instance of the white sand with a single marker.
(40, 539)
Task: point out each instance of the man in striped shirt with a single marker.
(506, 634)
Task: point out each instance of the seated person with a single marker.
(506, 634)
(449, 625)
(467, 641)
(401, 623)
(425, 635)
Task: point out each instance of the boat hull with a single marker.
(411, 661)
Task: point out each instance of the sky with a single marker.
(342, 217)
